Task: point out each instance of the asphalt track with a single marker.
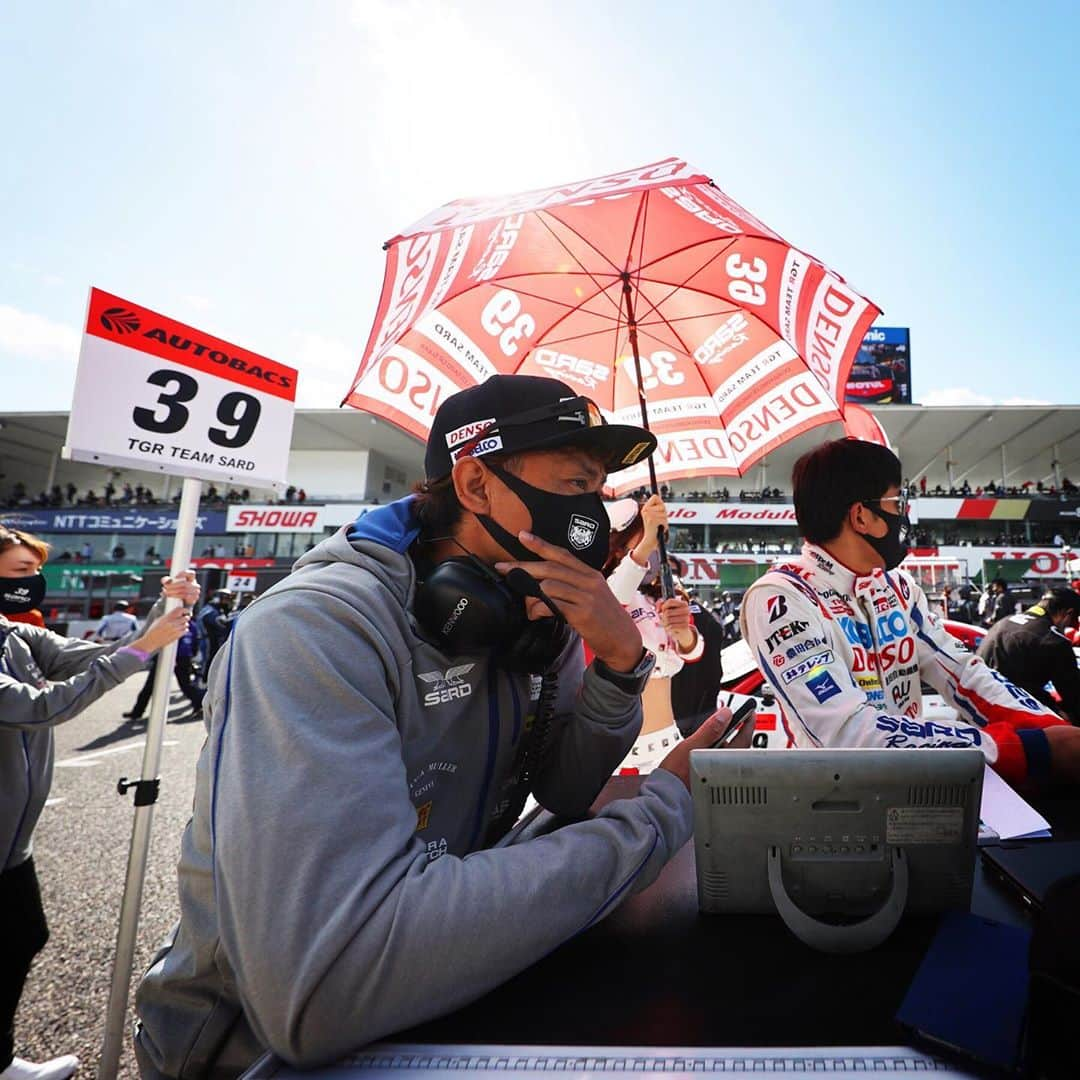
(80, 849)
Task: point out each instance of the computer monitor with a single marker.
(839, 842)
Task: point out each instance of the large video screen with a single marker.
(881, 373)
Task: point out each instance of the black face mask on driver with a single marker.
(21, 594)
(893, 546)
(577, 523)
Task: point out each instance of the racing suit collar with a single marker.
(845, 580)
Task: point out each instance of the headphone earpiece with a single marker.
(467, 607)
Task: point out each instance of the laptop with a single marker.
(1030, 870)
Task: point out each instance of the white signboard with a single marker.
(240, 582)
(154, 394)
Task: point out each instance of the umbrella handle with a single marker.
(667, 583)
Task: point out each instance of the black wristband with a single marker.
(629, 682)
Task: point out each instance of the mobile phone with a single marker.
(738, 718)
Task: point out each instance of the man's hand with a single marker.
(583, 598)
(678, 761)
(183, 588)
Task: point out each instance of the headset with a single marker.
(468, 607)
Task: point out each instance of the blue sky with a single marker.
(238, 165)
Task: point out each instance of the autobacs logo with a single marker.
(119, 320)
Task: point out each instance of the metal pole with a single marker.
(1004, 474)
(949, 463)
(667, 585)
(145, 796)
(1056, 465)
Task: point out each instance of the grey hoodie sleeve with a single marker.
(84, 672)
(596, 730)
(61, 657)
(336, 926)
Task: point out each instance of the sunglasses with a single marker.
(901, 501)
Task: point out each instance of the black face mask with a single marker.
(893, 546)
(21, 594)
(577, 523)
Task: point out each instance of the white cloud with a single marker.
(964, 395)
(326, 369)
(199, 303)
(31, 335)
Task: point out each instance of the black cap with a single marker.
(511, 413)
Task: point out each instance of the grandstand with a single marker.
(993, 485)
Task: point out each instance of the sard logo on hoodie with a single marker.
(446, 685)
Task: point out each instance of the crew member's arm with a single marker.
(61, 658)
(315, 848)
(99, 668)
(806, 658)
(977, 692)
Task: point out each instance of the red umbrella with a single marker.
(645, 284)
(860, 423)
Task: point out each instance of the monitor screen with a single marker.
(836, 838)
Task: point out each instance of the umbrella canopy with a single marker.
(646, 283)
(859, 423)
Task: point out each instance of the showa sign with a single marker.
(152, 393)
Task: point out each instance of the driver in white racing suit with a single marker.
(846, 638)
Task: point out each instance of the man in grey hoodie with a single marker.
(375, 723)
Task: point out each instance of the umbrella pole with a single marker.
(667, 584)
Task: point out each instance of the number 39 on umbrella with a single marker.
(649, 291)
(152, 393)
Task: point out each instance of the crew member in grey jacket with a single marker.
(375, 723)
(45, 679)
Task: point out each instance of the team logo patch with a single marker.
(823, 686)
(807, 666)
(423, 816)
(468, 431)
(446, 685)
(786, 632)
(778, 661)
(582, 532)
(490, 444)
(776, 606)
